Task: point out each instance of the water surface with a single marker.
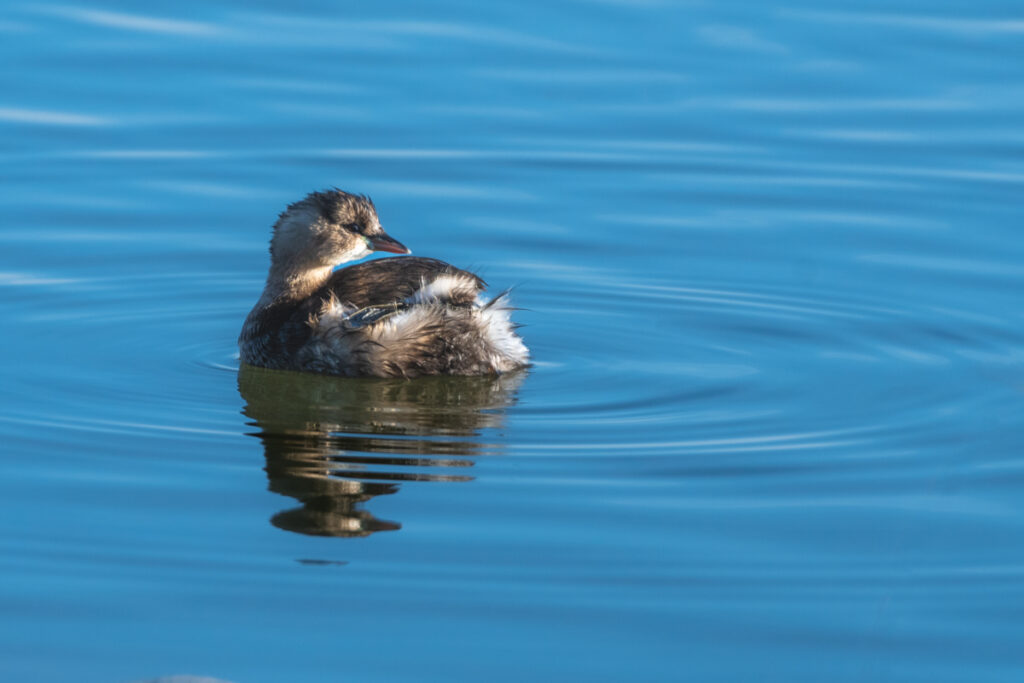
(770, 266)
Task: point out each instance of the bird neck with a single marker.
(286, 283)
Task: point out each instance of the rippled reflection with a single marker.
(334, 443)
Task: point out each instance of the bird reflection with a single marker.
(334, 443)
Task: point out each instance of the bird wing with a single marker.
(390, 280)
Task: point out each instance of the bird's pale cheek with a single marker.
(355, 251)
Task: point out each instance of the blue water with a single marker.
(770, 262)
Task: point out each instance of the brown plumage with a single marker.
(397, 317)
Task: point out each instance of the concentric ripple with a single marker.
(633, 372)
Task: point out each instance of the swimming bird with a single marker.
(396, 317)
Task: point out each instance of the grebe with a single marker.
(394, 317)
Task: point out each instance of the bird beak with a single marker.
(386, 243)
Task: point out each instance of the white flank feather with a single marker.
(496, 327)
(444, 287)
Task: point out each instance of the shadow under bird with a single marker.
(395, 317)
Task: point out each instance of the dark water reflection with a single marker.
(334, 443)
